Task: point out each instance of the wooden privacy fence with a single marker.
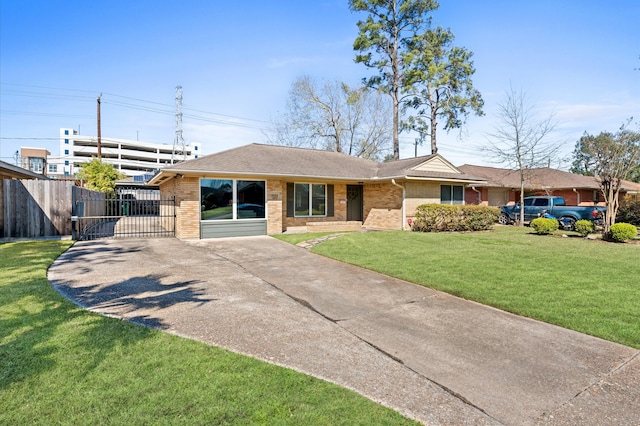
(38, 208)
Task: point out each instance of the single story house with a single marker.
(502, 186)
(261, 189)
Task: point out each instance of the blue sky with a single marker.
(237, 60)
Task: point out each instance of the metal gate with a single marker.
(127, 216)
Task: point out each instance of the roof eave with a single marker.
(205, 173)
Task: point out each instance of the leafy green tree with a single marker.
(612, 158)
(417, 66)
(100, 176)
(439, 84)
(383, 42)
(584, 163)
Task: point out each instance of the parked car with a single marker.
(551, 206)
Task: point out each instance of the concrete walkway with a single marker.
(431, 356)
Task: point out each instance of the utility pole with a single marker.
(99, 132)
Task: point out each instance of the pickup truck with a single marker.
(554, 206)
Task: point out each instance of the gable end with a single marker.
(437, 164)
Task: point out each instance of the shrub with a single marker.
(445, 217)
(619, 232)
(544, 226)
(584, 227)
(629, 211)
(479, 218)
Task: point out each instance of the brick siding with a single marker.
(187, 193)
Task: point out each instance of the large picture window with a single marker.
(227, 199)
(310, 199)
(451, 194)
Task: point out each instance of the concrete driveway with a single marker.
(431, 356)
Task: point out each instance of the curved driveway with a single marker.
(431, 356)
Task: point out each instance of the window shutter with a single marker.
(330, 200)
(290, 200)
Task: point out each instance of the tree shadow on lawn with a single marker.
(41, 331)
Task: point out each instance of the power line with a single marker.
(43, 114)
(227, 120)
(35, 139)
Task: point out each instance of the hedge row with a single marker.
(444, 217)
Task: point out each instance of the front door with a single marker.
(354, 202)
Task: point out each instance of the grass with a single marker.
(60, 364)
(588, 286)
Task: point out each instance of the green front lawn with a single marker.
(589, 286)
(60, 364)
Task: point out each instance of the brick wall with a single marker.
(382, 206)
(275, 200)
(473, 197)
(187, 193)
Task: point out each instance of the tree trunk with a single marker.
(521, 203)
(396, 126)
(612, 193)
(434, 124)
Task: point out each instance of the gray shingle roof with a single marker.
(258, 159)
(273, 160)
(539, 178)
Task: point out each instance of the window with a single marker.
(195, 148)
(310, 199)
(66, 132)
(251, 196)
(66, 152)
(53, 168)
(596, 197)
(36, 165)
(451, 194)
(66, 162)
(227, 199)
(66, 141)
(541, 202)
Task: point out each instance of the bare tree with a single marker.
(335, 117)
(519, 139)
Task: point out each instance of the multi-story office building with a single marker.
(133, 158)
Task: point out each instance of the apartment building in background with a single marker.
(132, 158)
(34, 159)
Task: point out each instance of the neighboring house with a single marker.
(502, 186)
(264, 189)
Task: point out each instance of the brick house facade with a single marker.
(502, 186)
(262, 189)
